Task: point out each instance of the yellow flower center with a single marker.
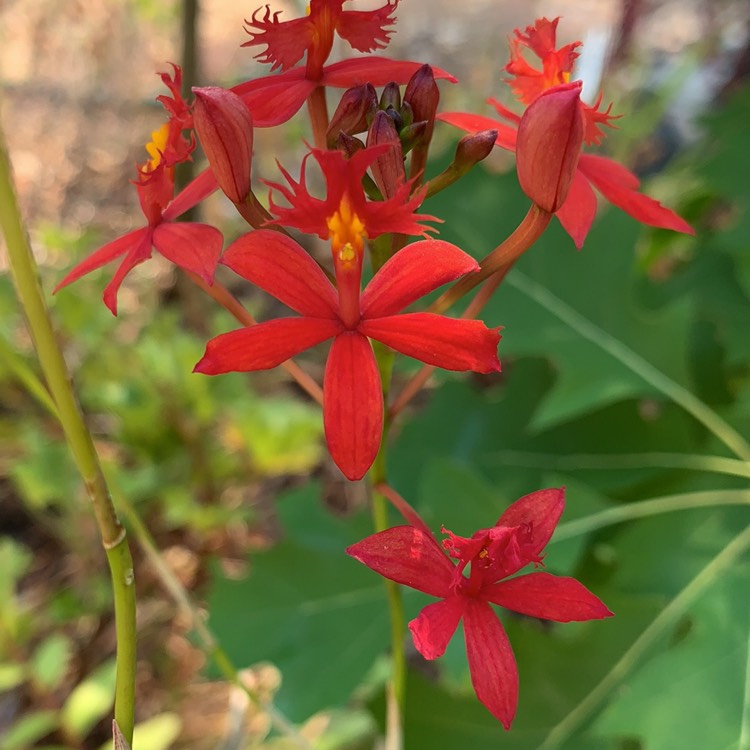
(347, 234)
(156, 146)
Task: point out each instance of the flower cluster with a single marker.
(371, 155)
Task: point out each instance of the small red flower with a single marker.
(352, 391)
(274, 99)
(194, 247)
(616, 183)
(410, 556)
(557, 65)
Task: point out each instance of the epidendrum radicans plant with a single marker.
(372, 154)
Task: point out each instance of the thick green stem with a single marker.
(396, 691)
(205, 637)
(24, 271)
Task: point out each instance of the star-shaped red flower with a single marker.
(352, 390)
(614, 181)
(192, 246)
(410, 556)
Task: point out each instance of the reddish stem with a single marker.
(398, 502)
(502, 257)
(494, 268)
(318, 111)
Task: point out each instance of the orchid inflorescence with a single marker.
(372, 153)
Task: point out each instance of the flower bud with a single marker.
(348, 144)
(411, 135)
(474, 147)
(550, 137)
(423, 95)
(225, 129)
(388, 169)
(356, 107)
(391, 96)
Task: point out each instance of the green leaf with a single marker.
(693, 694)
(50, 661)
(485, 210)
(317, 614)
(29, 728)
(90, 701)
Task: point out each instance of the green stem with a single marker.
(614, 461)
(207, 640)
(396, 691)
(653, 507)
(25, 276)
(634, 362)
(651, 635)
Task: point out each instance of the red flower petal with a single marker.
(539, 512)
(285, 41)
(102, 256)
(577, 212)
(407, 555)
(191, 195)
(437, 340)
(194, 247)
(435, 625)
(365, 29)
(506, 135)
(548, 597)
(493, 669)
(352, 404)
(619, 186)
(416, 270)
(138, 254)
(278, 265)
(278, 99)
(375, 70)
(265, 345)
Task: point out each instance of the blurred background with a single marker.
(203, 462)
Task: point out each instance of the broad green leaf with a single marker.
(29, 728)
(484, 211)
(89, 701)
(691, 695)
(317, 614)
(50, 661)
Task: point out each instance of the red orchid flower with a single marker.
(274, 99)
(352, 391)
(410, 556)
(194, 247)
(616, 183)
